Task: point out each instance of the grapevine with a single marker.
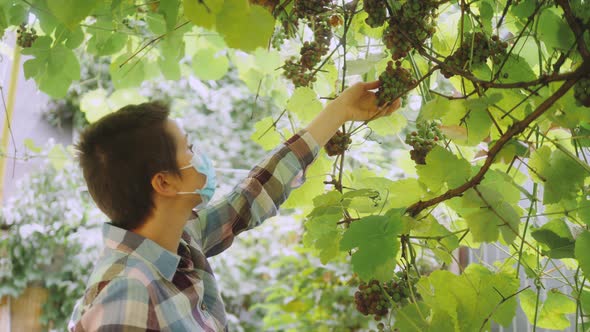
(395, 83)
(423, 140)
(475, 50)
(414, 19)
(26, 36)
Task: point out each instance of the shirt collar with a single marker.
(126, 241)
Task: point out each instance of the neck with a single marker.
(164, 228)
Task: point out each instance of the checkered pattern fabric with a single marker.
(139, 286)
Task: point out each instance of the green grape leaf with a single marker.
(305, 104)
(555, 32)
(71, 12)
(412, 318)
(466, 300)
(552, 314)
(582, 248)
(557, 237)
(235, 15)
(523, 9)
(486, 224)
(516, 69)
(439, 159)
(299, 198)
(169, 10)
(266, 134)
(105, 39)
(324, 235)
(562, 176)
(403, 193)
(439, 107)
(210, 64)
(54, 68)
(202, 13)
(388, 125)
(377, 243)
(130, 75)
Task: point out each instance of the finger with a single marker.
(372, 85)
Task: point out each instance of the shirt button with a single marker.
(203, 306)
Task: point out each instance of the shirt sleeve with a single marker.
(122, 305)
(257, 197)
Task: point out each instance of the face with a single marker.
(191, 179)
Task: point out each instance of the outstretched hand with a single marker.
(358, 103)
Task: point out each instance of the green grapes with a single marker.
(411, 23)
(475, 50)
(395, 83)
(377, 12)
(423, 140)
(375, 298)
(582, 92)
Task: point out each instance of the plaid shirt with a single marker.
(139, 286)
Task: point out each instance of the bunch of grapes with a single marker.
(25, 36)
(311, 54)
(582, 92)
(302, 73)
(401, 287)
(410, 24)
(423, 140)
(338, 144)
(395, 83)
(377, 11)
(310, 8)
(298, 74)
(373, 298)
(475, 50)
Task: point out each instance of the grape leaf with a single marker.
(94, 104)
(209, 64)
(466, 300)
(266, 134)
(486, 224)
(552, 313)
(71, 12)
(202, 13)
(54, 68)
(557, 237)
(582, 248)
(433, 175)
(105, 39)
(130, 75)
(554, 31)
(305, 104)
(388, 125)
(235, 15)
(412, 318)
(377, 243)
(562, 177)
(324, 235)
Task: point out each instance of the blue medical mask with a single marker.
(202, 164)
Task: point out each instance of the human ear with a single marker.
(164, 184)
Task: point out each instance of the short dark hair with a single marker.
(120, 153)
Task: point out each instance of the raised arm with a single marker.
(270, 182)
